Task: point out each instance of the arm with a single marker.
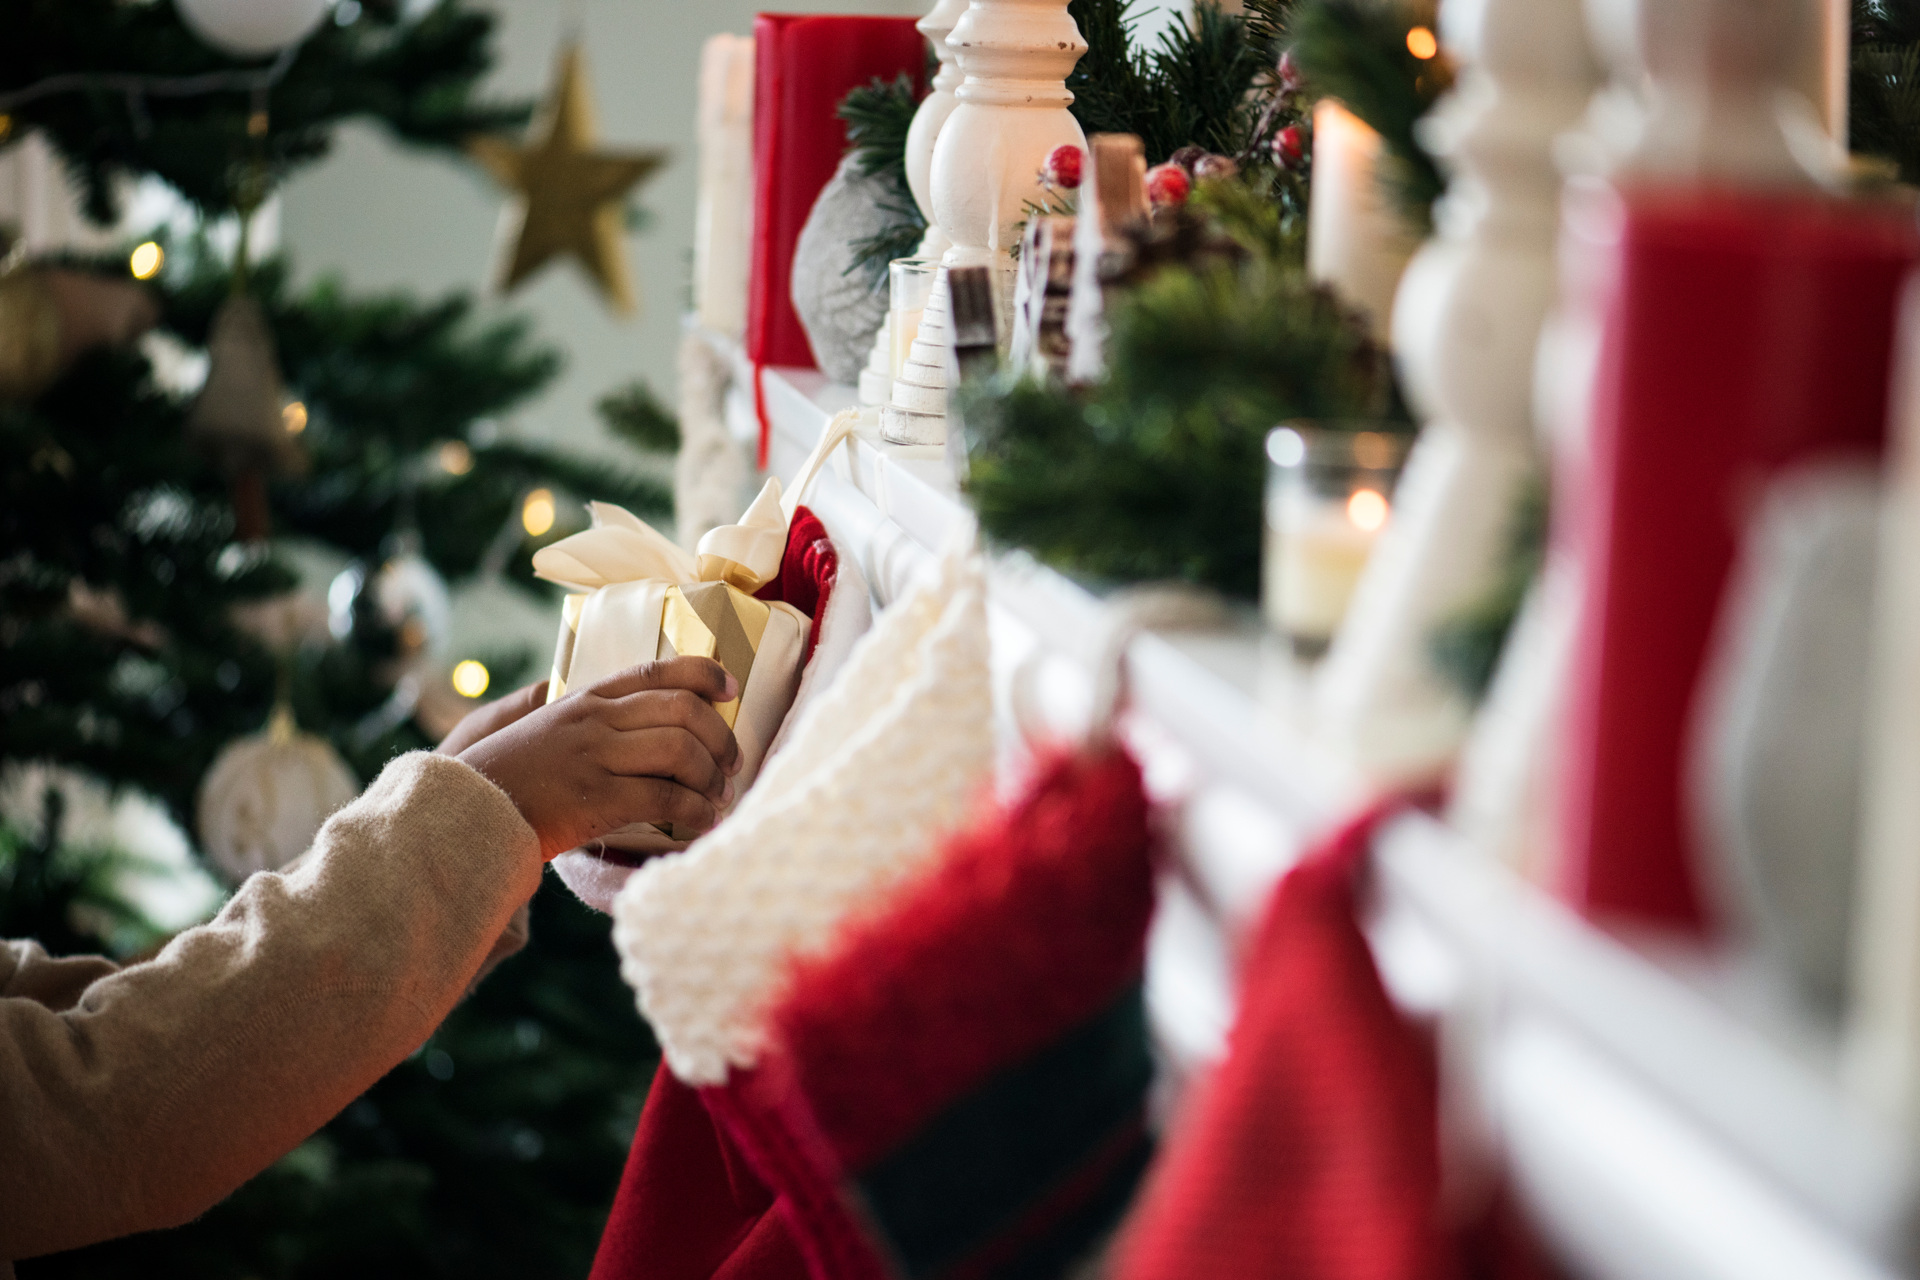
(136, 1099)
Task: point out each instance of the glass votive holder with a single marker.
(1329, 498)
(909, 285)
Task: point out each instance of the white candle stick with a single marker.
(723, 201)
(1356, 241)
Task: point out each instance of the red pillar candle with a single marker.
(804, 64)
(1742, 333)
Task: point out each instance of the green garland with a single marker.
(1210, 83)
(1158, 471)
(1207, 82)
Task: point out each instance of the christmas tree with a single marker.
(152, 606)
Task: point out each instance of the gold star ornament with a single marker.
(569, 195)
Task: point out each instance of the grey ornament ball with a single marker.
(398, 614)
(839, 304)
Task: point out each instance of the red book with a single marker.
(804, 64)
(1742, 333)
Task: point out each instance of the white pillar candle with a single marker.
(1356, 241)
(723, 199)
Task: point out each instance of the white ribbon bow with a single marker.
(621, 547)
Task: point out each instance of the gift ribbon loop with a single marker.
(621, 547)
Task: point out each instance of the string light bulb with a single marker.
(470, 678)
(1422, 43)
(456, 459)
(294, 418)
(146, 260)
(536, 513)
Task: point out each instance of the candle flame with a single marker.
(1367, 510)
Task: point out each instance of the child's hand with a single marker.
(643, 746)
(492, 718)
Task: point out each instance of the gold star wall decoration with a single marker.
(569, 195)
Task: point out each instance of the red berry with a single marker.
(1168, 184)
(1063, 167)
(1290, 146)
(1289, 70)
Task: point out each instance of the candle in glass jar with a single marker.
(1328, 501)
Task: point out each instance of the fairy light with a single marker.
(294, 418)
(1422, 43)
(536, 513)
(470, 678)
(1367, 510)
(146, 260)
(456, 459)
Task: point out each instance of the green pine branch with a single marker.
(417, 76)
(878, 115)
(634, 413)
(1883, 90)
(1109, 83)
(494, 1151)
(65, 895)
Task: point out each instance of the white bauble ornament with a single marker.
(252, 28)
(267, 795)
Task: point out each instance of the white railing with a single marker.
(1664, 1114)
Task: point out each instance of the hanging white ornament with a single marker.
(266, 796)
(240, 413)
(252, 28)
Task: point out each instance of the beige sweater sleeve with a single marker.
(137, 1098)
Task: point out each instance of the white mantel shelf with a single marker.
(1664, 1117)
